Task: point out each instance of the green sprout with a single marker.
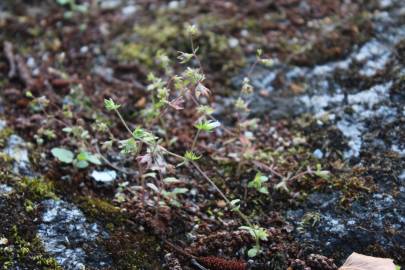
(207, 125)
(184, 57)
(193, 76)
(259, 234)
(235, 205)
(192, 30)
(189, 156)
(172, 195)
(205, 110)
(257, 183)
(324, 174)
(110, 105)
(82, 160)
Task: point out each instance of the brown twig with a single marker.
(23, 72)
(8, 52)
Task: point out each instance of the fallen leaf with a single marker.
(358, 261)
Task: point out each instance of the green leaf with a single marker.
(179, 190)
(257, 183)
(171, 180)
(207, 125)
(67, 129)
(235, 205)
(62, 154)
(93, 159)
(323, 174)
(143, 135)
(128, 146)
(264, 190)
(262, 234)
(63, 2)
(397, 267)
(111, 105)
(82, 156)
(81, 8)
(87, 156)
(81, 164)
(253, 252)
(191, 156)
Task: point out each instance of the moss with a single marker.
(130, 52)
(159, 33)
(5, 133)
(19, 251)
(37, 189)
(170, 37)
(100, 209)
(22, 250)
(134, 251)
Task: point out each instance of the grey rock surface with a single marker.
(70, 238)
(17, 150)
(361, 97)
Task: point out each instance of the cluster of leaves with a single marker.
(257, 183)
(259, 234)
(81, 161)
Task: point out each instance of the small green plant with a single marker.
(110, 105)
(149, 150)
(44, 134)
(257, 183)
(189, 156)
(207, 125)
(171, 196)
(324, 174)
(309, 219)
(81, 161)
(259, 234)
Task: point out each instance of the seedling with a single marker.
(259, 234)
(257, 183)
(207, 125)
(171, 196)
(81, 161)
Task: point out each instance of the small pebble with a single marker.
(318, 154)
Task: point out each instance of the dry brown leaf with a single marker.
(358, 261)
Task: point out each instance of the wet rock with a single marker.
(104, 178)
(66, 235)
(318, 154)
(3, 124)
(5, 190)
(363, 225)
(17, 149)
(129, 10)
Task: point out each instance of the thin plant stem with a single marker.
(209, 180)
(195, 165)
(196, 56)
(195, 140)
(145, 142)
